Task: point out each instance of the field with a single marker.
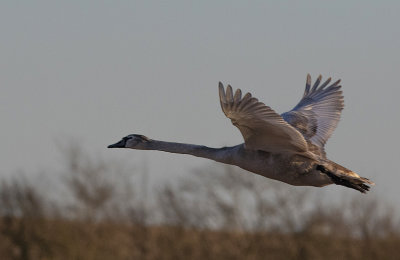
(214, 213)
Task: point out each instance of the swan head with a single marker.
(132, 141)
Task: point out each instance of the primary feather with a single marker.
(261, 127)
(318, 112)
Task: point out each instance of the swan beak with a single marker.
(120, 144)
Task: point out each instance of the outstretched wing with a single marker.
(262, 128)
(318, 112)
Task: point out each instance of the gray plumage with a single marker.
(287, 147)
(318, 112)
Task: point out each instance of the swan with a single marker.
(287, 147)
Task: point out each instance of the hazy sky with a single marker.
(98, 70)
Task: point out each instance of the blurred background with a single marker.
(77, 76)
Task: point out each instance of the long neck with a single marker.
(224, 155)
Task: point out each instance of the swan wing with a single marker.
(262, 128)
(318, 112)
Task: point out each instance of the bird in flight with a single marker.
(287, 147)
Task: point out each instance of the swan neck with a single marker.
(223, 154)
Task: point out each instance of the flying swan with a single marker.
(287, 147)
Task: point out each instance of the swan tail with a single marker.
(345, 177)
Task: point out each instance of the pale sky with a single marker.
(96, 71)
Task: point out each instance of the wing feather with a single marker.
(318, 112)
(262, 128)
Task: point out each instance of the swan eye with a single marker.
(126, 138)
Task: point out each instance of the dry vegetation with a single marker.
(219, 213)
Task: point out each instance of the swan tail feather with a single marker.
(342, 176)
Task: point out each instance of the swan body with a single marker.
(287, 147)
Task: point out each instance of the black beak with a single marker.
(120, 144)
